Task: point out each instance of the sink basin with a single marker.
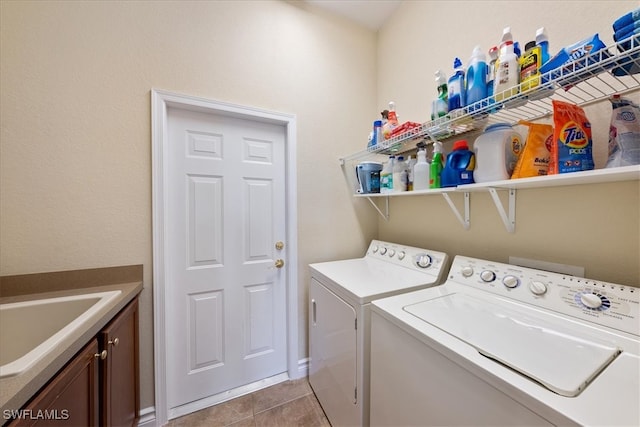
(30, 330)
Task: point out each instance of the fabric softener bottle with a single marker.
(476, 88)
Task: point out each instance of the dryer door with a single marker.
(332, 349)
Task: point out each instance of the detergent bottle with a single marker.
(476, 87)
(435, 168)
(386, 176)
(459, 166)
(456, 87)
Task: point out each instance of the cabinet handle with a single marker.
(102, 355)
(115, 342)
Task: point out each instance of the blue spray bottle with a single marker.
(456, 86)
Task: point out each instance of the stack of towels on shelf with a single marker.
(626, 27)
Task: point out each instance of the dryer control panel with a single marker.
(603, 303)
(408, 256)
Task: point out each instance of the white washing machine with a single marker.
(498, 344)
(340, 297)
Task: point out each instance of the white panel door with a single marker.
(226, 300)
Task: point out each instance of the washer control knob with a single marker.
(392, 252)
(401, 255)
(591, 300)
(510, 281)
(375, 248)
(537, 288)
(488, 276)
(467, 271)
(423, 260)
(383, 250)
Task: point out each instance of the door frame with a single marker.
(160, 100)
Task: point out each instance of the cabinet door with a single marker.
(71, 398)
(119, 371)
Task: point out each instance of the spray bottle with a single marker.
(435, 169)
(440, 105)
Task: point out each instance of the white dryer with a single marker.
(498, 344)
(340, 296)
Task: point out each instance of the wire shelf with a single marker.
(583, 82)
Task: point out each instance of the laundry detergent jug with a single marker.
(497, 151)
(458, 168)
(368, 175)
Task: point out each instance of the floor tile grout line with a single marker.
(279, 404)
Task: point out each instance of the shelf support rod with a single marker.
(509, 220)
(464, 221)
(384, 215)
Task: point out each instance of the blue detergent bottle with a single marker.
(476, 87)
(458, 169)
(456, 87)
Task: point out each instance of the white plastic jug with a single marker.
(497, 151)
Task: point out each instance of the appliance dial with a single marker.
(510, 281)
(423, 260)
(375, 248)
(591, 300)
(401, 255)
(467, 271)
(537, 288)
(488, 276)
(392, 252)
(383, 251)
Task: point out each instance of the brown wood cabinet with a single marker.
(119, 376)
(99, 386)
(70, 398)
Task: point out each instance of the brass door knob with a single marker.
(279, 263)
(279, 246)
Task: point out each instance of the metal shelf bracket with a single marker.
(509, 220)
(463, 220)
(384, 215)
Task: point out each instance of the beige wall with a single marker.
(595, 226)
(75, 175)
(76, 124)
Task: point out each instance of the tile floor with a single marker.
(291, 403)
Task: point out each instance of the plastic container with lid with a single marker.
(497, 151)
(476, 85)
(458, 168)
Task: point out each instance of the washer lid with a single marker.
(563, 356)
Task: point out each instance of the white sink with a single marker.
(30, 330)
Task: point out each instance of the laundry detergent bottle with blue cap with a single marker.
(458, 168)
(456, 87)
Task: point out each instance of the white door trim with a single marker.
(160, 100)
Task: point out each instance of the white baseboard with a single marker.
(148, 415)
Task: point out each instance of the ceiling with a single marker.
(370, 13)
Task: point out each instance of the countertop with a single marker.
(16, 391)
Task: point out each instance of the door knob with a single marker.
(279, 263)
(102, 355)
(115, 342)
(279, 246)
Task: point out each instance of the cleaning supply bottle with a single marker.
(530, 66)
(392, 120)
(507, 73)
(386, 176)
(411, 162)
(421, 171)
(476, 87)
(435, 168)
(400, 175)
(458, 168)
(440, 106)
(456, 87)
(542, 40)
